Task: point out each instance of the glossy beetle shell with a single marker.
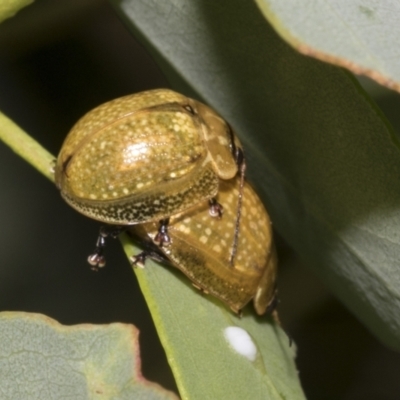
(201, 247)
(144, 157)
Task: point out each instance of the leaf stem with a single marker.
(26, 147)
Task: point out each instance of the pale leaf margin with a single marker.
(42, 357)
(369, 61)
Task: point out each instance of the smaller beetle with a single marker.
(202, 248)
(147, 156)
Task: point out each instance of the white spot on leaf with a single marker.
(241, 342)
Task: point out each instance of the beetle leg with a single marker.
(272, 310)
(216, 210)
(97, 259)
(273, 304)
(140, 259)
(162, 238)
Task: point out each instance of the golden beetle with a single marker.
(160, 164)
(201, 248)
(145, 157)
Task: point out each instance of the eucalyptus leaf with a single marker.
(192, 329)
(41, 359)
(320, 153)
(361, 36)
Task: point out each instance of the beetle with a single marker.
(158, 164)
(202, 249)
(146, 156)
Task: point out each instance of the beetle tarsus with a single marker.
(97, 259)
(216, 210)
(162, 238)
(139, 260)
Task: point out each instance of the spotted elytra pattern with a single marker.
(201, 248)
(144, 157)
(127, 212)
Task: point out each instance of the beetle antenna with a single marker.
(273, 312)
(275, 317)
(242, 168)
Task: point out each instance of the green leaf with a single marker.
(323, 158)
(191, 328)
(361, 36)
(8, 8)
(41, 359)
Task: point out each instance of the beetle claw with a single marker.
(139, 260)
(96, 260)
(216, 210)
(162, 238)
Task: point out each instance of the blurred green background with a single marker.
(60, 59)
